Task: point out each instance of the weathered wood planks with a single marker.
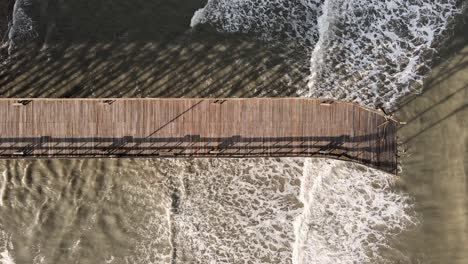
(259, 127)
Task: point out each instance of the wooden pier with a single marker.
(259, 127)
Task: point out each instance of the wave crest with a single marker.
(374, 52)
(350, 211)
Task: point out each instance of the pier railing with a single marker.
(288, 127)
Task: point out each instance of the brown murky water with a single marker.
(435, 168)
(223, 211)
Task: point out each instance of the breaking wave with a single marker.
(368, 51)
(299, 210)
(371, 52)
(375, 52)
(238, 211)
(23, 27)
(268, 20)
(350, 212)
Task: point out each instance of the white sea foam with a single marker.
(23, 28)
(349, 213)
(374, 52)
(368, 51)
(3, 186)
(6, 247)
(275, 210)
(238, 211)
(148, 194)
(267, 19)
(6, 258)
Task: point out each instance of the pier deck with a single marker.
(259, 127)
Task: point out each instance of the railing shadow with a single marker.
(125, 48)
(453, 44)
(354, 148)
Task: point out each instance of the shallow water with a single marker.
(241, 210)
(149, 211)
(435, 167)
(195, 211)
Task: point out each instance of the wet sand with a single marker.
(435, 167)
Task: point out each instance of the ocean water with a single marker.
(198, 211)
(241, 210)
(369, 52)
(350, 213)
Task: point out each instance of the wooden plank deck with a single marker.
(258, 127)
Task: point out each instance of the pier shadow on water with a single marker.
(139, 49)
